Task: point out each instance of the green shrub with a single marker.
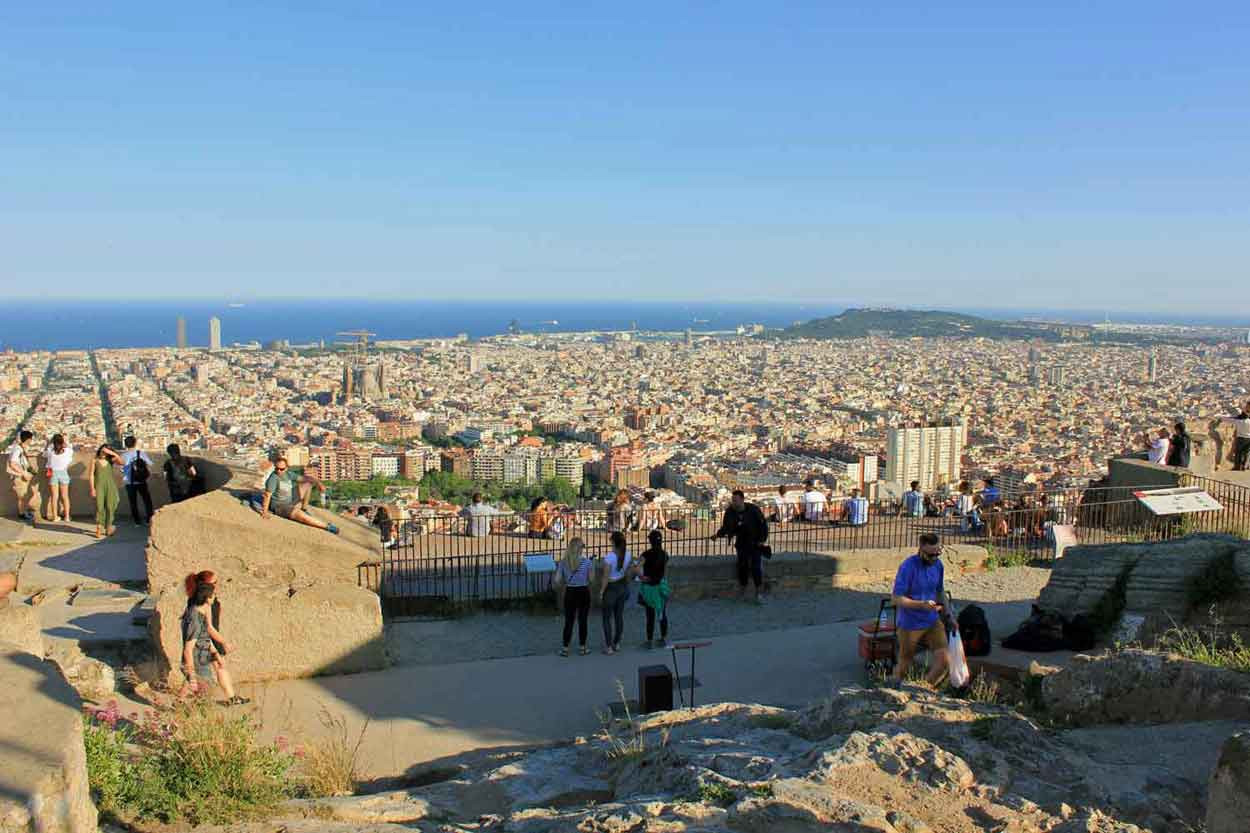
(194, 763)
(1213, 649)
(714, 792)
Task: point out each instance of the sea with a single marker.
(80, 324)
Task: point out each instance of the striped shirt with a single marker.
(913, 504)
(579, 577)
(857, 511)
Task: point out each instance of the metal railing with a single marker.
(433, 560)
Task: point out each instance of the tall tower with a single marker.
(1055, 375)
(214, 333)
(1152, 368)
(182, 333)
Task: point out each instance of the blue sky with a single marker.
(1083, 155)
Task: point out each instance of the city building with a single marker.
(214, 333)
(1055, 375)
(1152, 368)
(182, 333)
(931, 454)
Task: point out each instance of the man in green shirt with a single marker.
(287, 496)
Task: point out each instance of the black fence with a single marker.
(431, 561)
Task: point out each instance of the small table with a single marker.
(691, 647)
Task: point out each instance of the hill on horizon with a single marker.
(876, 321)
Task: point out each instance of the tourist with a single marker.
(202, 644)
(919, 591)
(653, 589)
(1157, 451)
(620, 512)
(651, 515)
(22, 474)
(990, 494)
(477, 516)
(180, 474)
(287, 496)
(855, 510)
(539, 519)
(785, 505)
(136, 468)
(104, 489)
(573, 575)
(913, 501)
(1241, 438)
(1179, 447)
(813, 502)
(59, 455)
(618, 568)
(388, 529)
(966, 509)
(745, 523)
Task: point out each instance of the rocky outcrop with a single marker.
(1135, 686)
(19, 626)
(94, 680)
(1228, 800)
(290, 601)
(43, 766)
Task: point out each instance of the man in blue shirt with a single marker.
(918, 596)
(856, 509)
(990, 494)
(913, 501)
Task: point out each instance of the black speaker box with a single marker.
(655, 688)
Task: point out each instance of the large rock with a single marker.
(289, 594)
(43, 765)
(1228, 799)
(94, 680)
(19, 625)
(1134, 686)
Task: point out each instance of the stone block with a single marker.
(43, 765)
(1228, 797)
(290, 602)
(19, 625)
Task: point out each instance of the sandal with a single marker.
(236, 700)
(584, 651)
(564, 652)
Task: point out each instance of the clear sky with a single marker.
(1061, 154)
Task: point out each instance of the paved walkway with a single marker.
(419, 714)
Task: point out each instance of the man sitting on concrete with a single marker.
(856, 509)
(479, 517)
(919, 590)
(287, 496)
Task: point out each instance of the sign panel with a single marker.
(1178, 501)
(540, 563)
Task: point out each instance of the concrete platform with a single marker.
(93, 625)
(68, 555)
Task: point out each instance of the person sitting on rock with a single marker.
(919, 589)
(287, 496)
(202, 644)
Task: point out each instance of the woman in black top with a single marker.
(653, 592)
(1179, 447)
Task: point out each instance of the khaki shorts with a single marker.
(934, 636)
(25, 489)
(283, 510)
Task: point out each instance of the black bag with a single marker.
(677, 524)
(1079, 633)
(766, 551)
(974, 630)
(179, 478)
(1041, 632)
(139, 471)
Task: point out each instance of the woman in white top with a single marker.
(573, 574)
(59, 455)
(618, 569)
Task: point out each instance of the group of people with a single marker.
(58, 456)
(815, 506)
(1170, 449)
(612, 580)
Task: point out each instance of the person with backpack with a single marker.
(746, 525)
(22, 475)
(180, 474)
(653, 589)
(136, 469)
(919, 591)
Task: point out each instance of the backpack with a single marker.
(179, 477)
(139, 471)
(974, 630)
(1079, 633)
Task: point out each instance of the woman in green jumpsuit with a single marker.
(104, 489)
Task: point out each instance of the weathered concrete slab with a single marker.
(86, 561)
(61, 621)
(105, 597)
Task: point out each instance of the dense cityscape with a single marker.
(694, 414)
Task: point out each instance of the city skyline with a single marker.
(1091, 157)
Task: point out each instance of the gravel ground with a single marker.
(514, 634)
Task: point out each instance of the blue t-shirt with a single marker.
(922, 582)
(857, 511)
(913, 504)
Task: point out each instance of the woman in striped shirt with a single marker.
(573, 574)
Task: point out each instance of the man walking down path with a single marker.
(22, 475)
(919, 589)
(746, 524)
(135, 477)
(1241, 439)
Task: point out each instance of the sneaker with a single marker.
(332, 529)
(608, 651)
(584, 651)
(648, 645)
(759, 600)
(564, 652)
(616, 649)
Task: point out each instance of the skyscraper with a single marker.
(1055, 375)
(931, 454)
(214, 333)
(182, 333)
(1152, 368)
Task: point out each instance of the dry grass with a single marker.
(330, 766)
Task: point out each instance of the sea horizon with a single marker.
(43, 324)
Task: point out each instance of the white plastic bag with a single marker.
(958, 663)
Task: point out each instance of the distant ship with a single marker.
(551, 323)
(701, 321)
(236, 306)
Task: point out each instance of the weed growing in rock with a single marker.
(983, 728)
(1006, 558)
(330, 766)
(1213, 648)
(776, 720)
(714, 792)
(984, 689)
(192, 763)
(764, 790)
(631, 745)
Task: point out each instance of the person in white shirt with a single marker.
(136, 482)
(1241, 439)
(785, 505)
(618, 569)
(813, 503)
(59, 455)
(22, 475)
(1158, 451)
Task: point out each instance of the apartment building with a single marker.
(931, 454)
